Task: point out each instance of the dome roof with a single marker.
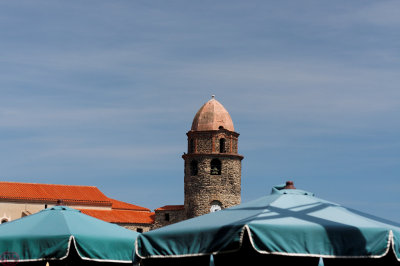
(211, 116)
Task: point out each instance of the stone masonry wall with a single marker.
(137, 227)
(203, 144)
(174, 217)
(205, 140)
(235, 145)
(204, 188)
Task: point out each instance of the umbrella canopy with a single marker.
(49, 234)
(287, 223)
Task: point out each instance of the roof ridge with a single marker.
(38, 192)
(170, 207)
(122, 205)
(121, 216)
(28, 183)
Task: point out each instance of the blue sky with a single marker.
(102, 93)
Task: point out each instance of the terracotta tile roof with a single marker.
(121, 216)
(120, 205)
(121, 212)
(49, 193)
(171, 208)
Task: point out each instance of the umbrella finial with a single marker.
(289, 185)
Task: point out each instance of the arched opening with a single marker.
(194, 169)
(222, 145)
(215, 167)
(215, 206)
(191, 146)
(4, 221)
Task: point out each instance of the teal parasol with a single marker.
(52, 233)
(289, 225)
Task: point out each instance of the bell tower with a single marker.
(212, 163)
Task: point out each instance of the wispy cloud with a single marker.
(100, 89)
(382, 13)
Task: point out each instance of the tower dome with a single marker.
(212, 116)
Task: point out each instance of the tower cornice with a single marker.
(216, 155)
(213, 132)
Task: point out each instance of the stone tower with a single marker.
(212, 163)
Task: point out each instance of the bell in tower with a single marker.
(212, 163)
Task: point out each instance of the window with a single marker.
(166, 217)
(215, 167)
(222, 145)
(194, 169)
(139, 230)
(191, 146)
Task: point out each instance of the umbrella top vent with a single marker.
(60, 208)
(289, 188)
(289, 185)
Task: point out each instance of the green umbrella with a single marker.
(52, 233)
(288, 225)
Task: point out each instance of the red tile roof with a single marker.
(49, 193)
(121, 212)
(171, 208)
(121, 216)
(120, 205)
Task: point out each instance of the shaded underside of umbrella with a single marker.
(288, 223)
(54, 233)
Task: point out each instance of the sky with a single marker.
(102, 93)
